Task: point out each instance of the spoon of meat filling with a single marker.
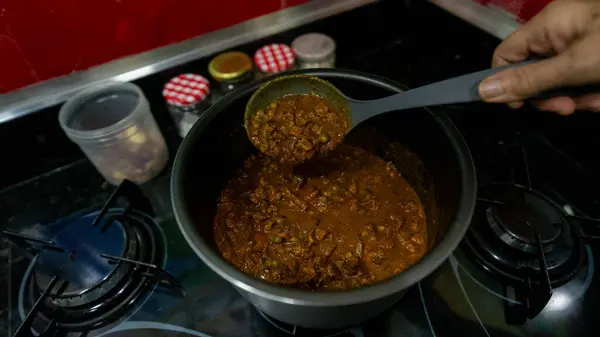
(296, 117)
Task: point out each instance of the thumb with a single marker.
(522, 82)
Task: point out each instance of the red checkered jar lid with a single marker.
(274, 58)
(186, 90)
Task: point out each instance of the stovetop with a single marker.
(537, 193)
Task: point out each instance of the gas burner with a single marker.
(94, 268)
(294, 330)
(522, 236)
(513, 218)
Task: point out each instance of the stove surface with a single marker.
(525, 268)
(459, 296)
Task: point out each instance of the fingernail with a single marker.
(515, 105)
(491, 88)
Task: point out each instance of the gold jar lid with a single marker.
(229, 66)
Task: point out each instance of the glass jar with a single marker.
(114, 127)
(186, 95)
(232, 70)
(274, 58)
(314, 50)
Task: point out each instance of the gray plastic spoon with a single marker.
(461, 89)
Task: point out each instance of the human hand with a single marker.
(566, 31)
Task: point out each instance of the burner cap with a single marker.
(522, 219)
(502, 235)
(80, 262)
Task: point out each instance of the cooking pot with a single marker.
(424, 146)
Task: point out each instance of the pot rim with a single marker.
(431, 261)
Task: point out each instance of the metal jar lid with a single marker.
(186, 90)
(230, 66)
(274, 58)
(313, 46)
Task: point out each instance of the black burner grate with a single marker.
(76, 286)
(526, 239)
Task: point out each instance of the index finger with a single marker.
(514, 48)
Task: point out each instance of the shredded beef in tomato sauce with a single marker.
(297, 127)
(343, 221)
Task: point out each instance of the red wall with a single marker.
(523, 9)
(41, 39)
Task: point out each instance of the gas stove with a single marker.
(81, 258)
(525, 267)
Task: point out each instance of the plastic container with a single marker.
(114, 127)
(314, 50)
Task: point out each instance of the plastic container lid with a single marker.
(313, 46)
(102, 112)
(186, 90)
(230, 66)
(274, 58)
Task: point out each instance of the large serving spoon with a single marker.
(461, 89)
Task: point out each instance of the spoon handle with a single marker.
(461, 89)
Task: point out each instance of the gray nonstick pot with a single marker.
(425, 147)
